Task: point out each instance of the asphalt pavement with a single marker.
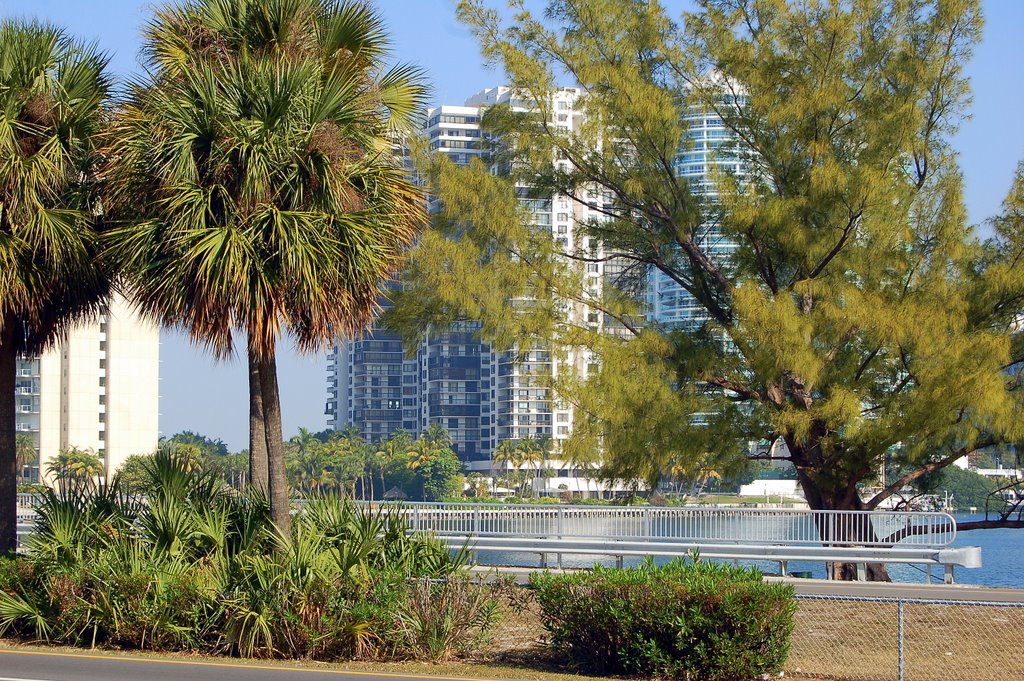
(40, 665)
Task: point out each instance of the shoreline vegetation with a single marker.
(199, 568)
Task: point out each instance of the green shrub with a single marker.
(445, 617)
(681, 620)
(198, 567)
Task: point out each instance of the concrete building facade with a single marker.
(98, 389)
(479, 395)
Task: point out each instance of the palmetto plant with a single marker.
(256, 186)
(198, 566)
(51, 89)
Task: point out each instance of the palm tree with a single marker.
(389, 451)
(509, 455)
(585, 460)
(305, 463)
(531, 454)
(304, 440)
(436, 437)
(255, 184)
(51, 90)
(26, 454)
(74, 467)
(422, 453)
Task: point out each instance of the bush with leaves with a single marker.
(197, 566)
(680, 620)
(446, 617)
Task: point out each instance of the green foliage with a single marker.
(52, 89)
(680, 620)
(965, 487)
(132, 474)
(258, 176)
(341, 461)
(199, 567)
(207, 447)
(855, 310)
(523, 460)
(436, 469)
(447, 617)
(74, 467)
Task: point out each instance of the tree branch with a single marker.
(912, 476)
(738, 388)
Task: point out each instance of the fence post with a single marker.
(899, 636)
(561, 531)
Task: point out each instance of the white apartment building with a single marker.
(96, 389)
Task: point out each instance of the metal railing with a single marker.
(774, 535)
(726, 525)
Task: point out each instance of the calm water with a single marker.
(1001, 554)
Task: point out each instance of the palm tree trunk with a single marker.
(8, 443)
(280, 510)
(259, 473)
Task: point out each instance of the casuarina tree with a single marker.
(844, 310)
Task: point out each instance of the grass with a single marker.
(840, 641)
(857, 641)
(736, 500)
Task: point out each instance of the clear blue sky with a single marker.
(202, 395)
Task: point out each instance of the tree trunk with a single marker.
(259, 473)
(825, 491)
(8, 444)
(280, 508)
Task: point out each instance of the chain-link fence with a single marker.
(842, 638)
(851, 638)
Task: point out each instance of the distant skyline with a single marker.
(211, 397)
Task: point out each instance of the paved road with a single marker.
(825, 587)
(36, 665)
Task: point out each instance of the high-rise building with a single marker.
(479, 395)
(97, 389)
(483, 396)
(668, 303)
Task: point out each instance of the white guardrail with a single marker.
(749, 534)
(741, 525)
(767, 534)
